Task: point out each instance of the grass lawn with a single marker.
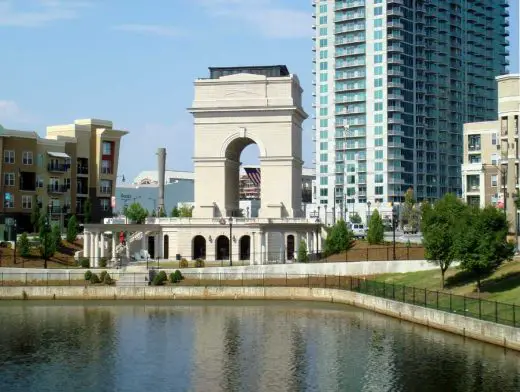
(63, 258)
(502, 286)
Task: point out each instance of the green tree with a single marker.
(482, 245)
(339, 239)
(23, 245)
(35, 216)
(410, 213)
(162, 214)
(87, 211)
(136, 213)
(303, 256)
(185, 211)
(175, 213)
(56, 236)
(154, 215)
(72, 229)
(47, 243)
(376, 229)
(441, 225)
(355, 218)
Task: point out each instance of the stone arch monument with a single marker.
(236, 107)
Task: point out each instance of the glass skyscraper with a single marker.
(395, 80)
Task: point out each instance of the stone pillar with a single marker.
(96, 250)
(86, 244)
(114, 244)
(92, 247)
(158, 244)
(102, 238)
(252, 249)
(284, 247)
(143, 242)
(262, 247)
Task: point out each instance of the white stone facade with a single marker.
(230, 112)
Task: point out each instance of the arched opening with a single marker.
(290, 247)
(199, 248)
(166, 247)
(243, 178)
(245, 247)
(222, 248)
(151, 246)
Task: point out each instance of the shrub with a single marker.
(199, 263)
(176, 276)
(5, 244)
(103, 262)
(102, 275)
(94, 279)
(159, 279)
(107, 279)
(88, 275)
(303, 256)
(184, 263)
(84, 262)
(24, 246)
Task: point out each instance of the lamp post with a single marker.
(368, 214)
(394, 224)
(15, 226)
(223, 222)
(317, 237)
(154, 204)
(325, 212)
(46, 232)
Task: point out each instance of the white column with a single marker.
(267, 249)
(252, 249)
(92, 249)
(308, 240)
(127, 248)
(262, 247)
(96, 250)
(102, 238)
(86, 244)
(314, 241)
(143, 242)
(158, 237)
(114, 244)
(284, 248)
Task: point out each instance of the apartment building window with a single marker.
(39, 182)
(494, 180)
(8, 200)
(9, 179)
(27, 158)
(378, 11)
(323, 42)
(106, 167)
(323, 31)
(27, 202)
(494, 139)
(378, 22)
(378, 190)
(105, 186)
(324, 88)
(324, 77)
(323, 19)
(9, 156)
(379, 154)
(324, 122)
(107, 148)
(324, 100)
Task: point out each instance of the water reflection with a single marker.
(236, 346)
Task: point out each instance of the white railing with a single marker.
(224, 220)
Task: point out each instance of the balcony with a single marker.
(105, 190)
(57, 168)
(57, 188)
(58, 209)
(82, 170)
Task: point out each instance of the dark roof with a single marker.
(267, 70)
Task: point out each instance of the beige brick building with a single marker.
(59, 172)
(491, 156)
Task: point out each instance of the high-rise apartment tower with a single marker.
(395, 80)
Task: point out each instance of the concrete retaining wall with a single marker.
(501, 335)
(271, 270)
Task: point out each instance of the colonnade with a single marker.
(95, 245)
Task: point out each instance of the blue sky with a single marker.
(134, 64)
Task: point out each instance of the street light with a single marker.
(368, 215)
(154, 204)
(394, 225)
(46, 232)
(317, 237)
(223, 222)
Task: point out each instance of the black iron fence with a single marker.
(469, 306)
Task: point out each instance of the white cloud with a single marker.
(10, 113)
(266, 16)
(38, 13)
(163, 31)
